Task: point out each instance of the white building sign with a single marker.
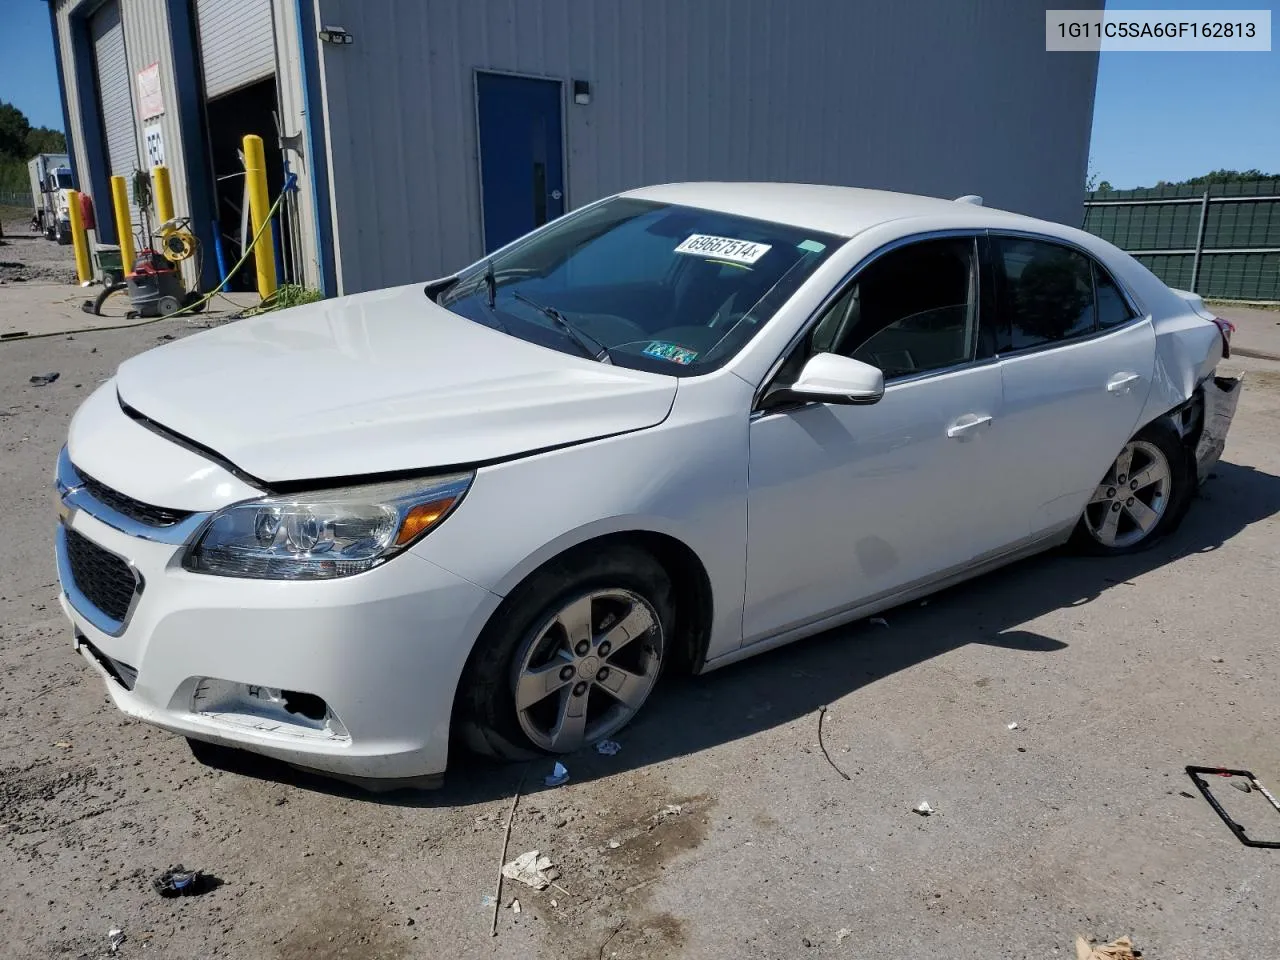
(150, 96)
(154, 141)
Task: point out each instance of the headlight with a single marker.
(326, 534)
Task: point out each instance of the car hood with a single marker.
(377, 383)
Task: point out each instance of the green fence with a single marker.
(1221, 242)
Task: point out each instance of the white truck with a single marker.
(50, 180)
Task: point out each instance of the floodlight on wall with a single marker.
(335, 35)
(581, 92)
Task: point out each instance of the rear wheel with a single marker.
(1142, 496)
(570, 658)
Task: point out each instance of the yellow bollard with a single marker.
(79, 238)
(163, 193)
(124, 223)
(255, 172)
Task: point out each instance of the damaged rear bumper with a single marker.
(1221, 395)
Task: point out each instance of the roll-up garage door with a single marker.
(237, 46)
(112, 68)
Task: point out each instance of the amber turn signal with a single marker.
(422, 518)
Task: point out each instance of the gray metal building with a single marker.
(424, 132)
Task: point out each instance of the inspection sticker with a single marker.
(671, 351)
(724, 248)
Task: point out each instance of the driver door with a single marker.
(845, 503)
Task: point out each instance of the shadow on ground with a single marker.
(690, 714)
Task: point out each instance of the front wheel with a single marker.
(1142, 496)
(570, 658)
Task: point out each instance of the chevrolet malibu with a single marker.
(673, 429)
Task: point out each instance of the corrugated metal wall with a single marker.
(1245, 235)
(111, 70)
(146, 41)
(932, 97)
(236, 45)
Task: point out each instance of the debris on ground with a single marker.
(1121, 949)
(515, 906)
(880, 621)
(1216, 659)
(62, 744)
(614, 844)
(115, 937)
(671, 810)
(608, 748)
(924, 809)
(822, 712)
(180, 882)
(1012, 725)
(843, 934)
(559, 775)
(41, 379)
(1242, 786)
(532, 869)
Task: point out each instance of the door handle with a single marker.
(967, 425)
(1122, 383)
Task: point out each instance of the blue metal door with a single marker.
(521, 162)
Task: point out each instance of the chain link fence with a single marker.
(1222, 241)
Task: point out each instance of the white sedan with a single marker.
(673, 429)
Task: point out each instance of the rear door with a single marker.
(1076, 363)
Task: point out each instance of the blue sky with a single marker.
(1170, 116)
(1157, 116)
(28, 77)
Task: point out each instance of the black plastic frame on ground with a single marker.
(1236, 828)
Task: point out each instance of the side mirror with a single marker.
(831, 378)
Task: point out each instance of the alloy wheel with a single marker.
(1132, 497)
(586, 670)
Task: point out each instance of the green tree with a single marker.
(14, 128)
(19, 141)
(44, 140)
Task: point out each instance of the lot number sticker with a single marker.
(724, 248)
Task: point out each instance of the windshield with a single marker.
(653, 286)
(64, 179)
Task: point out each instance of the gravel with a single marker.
(1080, 823)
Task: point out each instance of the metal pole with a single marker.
(1204, 220)
(163, 193)
(255, 174)
(78, 237)
(124, 224)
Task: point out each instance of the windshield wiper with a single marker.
(490, 283)
(579, 337)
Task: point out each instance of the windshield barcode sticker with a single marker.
(724, 248)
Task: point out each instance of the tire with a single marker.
(1140, 517)
(627, 594)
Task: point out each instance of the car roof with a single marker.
(843, 211)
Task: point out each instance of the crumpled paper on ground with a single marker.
(532, 870)
(1121, 949)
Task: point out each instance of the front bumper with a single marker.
(209, 657)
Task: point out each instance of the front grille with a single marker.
(133, 509)
(104, 578)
